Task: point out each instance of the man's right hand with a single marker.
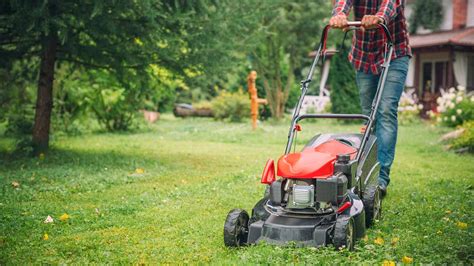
(338, 21)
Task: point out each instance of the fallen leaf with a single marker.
(64, 217)
(448, 211)
(15, 184)
(41, 156)
(48, 220)
(407, 260)
(439, 232)
(139, 171)
(388, 263)
(461, 225)
(379, 241)
(45, 236)
(366, 238)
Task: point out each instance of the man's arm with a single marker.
(342, 7)
(388, 10)
(340, 13)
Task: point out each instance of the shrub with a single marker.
(344, 91)
(455, 107)
(231, 106)
(466, 140)
(409, 109)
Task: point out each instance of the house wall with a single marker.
(470, 13)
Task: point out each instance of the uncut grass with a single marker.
(196, 170)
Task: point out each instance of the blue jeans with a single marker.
(386, 123)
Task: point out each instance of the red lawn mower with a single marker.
(326, 194)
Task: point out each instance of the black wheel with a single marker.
(236, 228)
(372, 205)
(344, 235)
(259, 213)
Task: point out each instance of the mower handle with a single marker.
(354, 25)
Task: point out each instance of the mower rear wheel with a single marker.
(344, 235)
(372, 204)
(236, 228)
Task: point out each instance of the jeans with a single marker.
(386, 123)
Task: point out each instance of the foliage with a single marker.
(426, 13)
(344, 92)
(288, 34)
(122, 38)
(466, 140)
(232, 106)
(409, 109)
(172, 211)
(455, 107)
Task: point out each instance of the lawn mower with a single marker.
(325, 194)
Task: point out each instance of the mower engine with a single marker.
(318, 195)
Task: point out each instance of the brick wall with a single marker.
(459, 14)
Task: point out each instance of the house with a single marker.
(443, 58)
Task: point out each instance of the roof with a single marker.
(462, 37)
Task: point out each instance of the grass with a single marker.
(195, 171)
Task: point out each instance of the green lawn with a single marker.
(195, 171)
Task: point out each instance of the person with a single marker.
(367, 56)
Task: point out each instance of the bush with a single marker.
(231, 106)
(409, 109)
(466, 140)
(455, 107)
(344, 91)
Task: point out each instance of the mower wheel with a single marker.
(236, 228)
(344, 235)
(372, 204)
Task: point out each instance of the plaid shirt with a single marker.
(366, 53)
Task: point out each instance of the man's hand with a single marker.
(338, 21)
(371, 22)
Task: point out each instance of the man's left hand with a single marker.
(371, 21)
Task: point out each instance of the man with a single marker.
(367, 55)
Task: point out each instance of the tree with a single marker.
(290, 30)
(344, 91)
(426, 13)
(114, 35)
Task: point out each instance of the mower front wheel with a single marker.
(236, 228)
(344, 235)
(373, 205)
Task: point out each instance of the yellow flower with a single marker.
(461, 225)
(379, 241)
(139, 171)
(64, 217)
(394, 240)
(45, 236)
(388, 263)
(407, 259)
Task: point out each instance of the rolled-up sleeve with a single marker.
(388, 10)
(342, 7)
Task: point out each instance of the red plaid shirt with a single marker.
(368, 47)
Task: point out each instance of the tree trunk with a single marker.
(44, 98)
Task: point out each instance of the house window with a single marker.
(435, 76)
(427, 78)
(470, 75)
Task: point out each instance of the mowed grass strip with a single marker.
(195, 171)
